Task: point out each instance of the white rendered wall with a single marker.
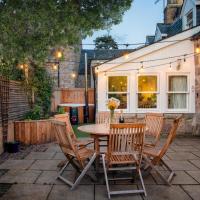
(188, 67)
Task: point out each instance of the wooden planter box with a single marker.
(34, 132)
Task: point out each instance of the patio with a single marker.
(31, 175)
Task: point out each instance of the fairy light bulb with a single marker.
(97, 70)
(126, 56)
(170, 66)
(197, 49)
(55, 66)
(141, 67)
(73, 75)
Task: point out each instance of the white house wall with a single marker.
(187, 7)
(187, 67)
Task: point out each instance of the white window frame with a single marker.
(188, 92)
(144, 110)
(127, 92)
(191, 20)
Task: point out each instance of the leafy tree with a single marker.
(105, 42)
(29, 29)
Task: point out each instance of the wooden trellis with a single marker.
(4, 105)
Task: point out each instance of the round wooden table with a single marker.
(96, 131)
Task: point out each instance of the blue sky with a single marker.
(137, 22)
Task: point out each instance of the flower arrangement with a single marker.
(112, 104)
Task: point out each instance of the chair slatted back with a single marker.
(125, 139)
(65, 140)
(154, 123)
(103, 117)
(170, 138)
(65, 118)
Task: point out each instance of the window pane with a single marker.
(117, 83)
(178, 101)
(147, 83)
(147, 100)
(122, 98)
(177, 83)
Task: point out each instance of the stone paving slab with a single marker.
(193, 191)
(45, 165)
(182, 156)
(181, 165)
(184, 148)
(59, 156)
(16, 164)
(197, 153)
(101, 192)
(62, 192)
(195, 175)
(181, 178)
(54, 148)
(20, 176)
(196, 163)
(40, 156)
(49, 177)
(27, 192)
(161, 192)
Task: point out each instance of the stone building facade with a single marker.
(68, 65)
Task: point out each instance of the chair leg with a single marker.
(142, 182)
(84, 171)
(158, 172)
(172, 173)
(105, 174)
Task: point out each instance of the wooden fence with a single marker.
(34, 132)
(76, 95)
(13, 106)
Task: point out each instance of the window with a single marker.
(147, 91)
(177, 92)
(117, 88)
(189, 19)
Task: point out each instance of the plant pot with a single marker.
(11, 147)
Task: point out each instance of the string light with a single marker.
(170, 66)
(184, 59)
(97, 70)
(104, 74)
(197, 49)
(73, 75)
(55, 66)
(126, 56)
(141, 67)
(58, 54)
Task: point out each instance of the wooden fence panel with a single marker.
(76, 95)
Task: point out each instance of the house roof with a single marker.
(163, 27)
(150, 39)
(103, 54)
(189, 33)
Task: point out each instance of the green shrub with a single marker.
(34, 114)
(61, 110)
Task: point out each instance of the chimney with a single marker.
(172, 10)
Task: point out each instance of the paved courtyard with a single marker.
(33, 177)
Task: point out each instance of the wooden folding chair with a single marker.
(65, 118)
(81, 159)
(154, 124)
(125, 149)
(153, 155)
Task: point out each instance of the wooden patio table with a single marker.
(96, 131)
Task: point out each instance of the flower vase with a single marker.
(112, 120)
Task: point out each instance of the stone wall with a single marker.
(171, 9)
(80, 82)
(68, 65)
(196, 120)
